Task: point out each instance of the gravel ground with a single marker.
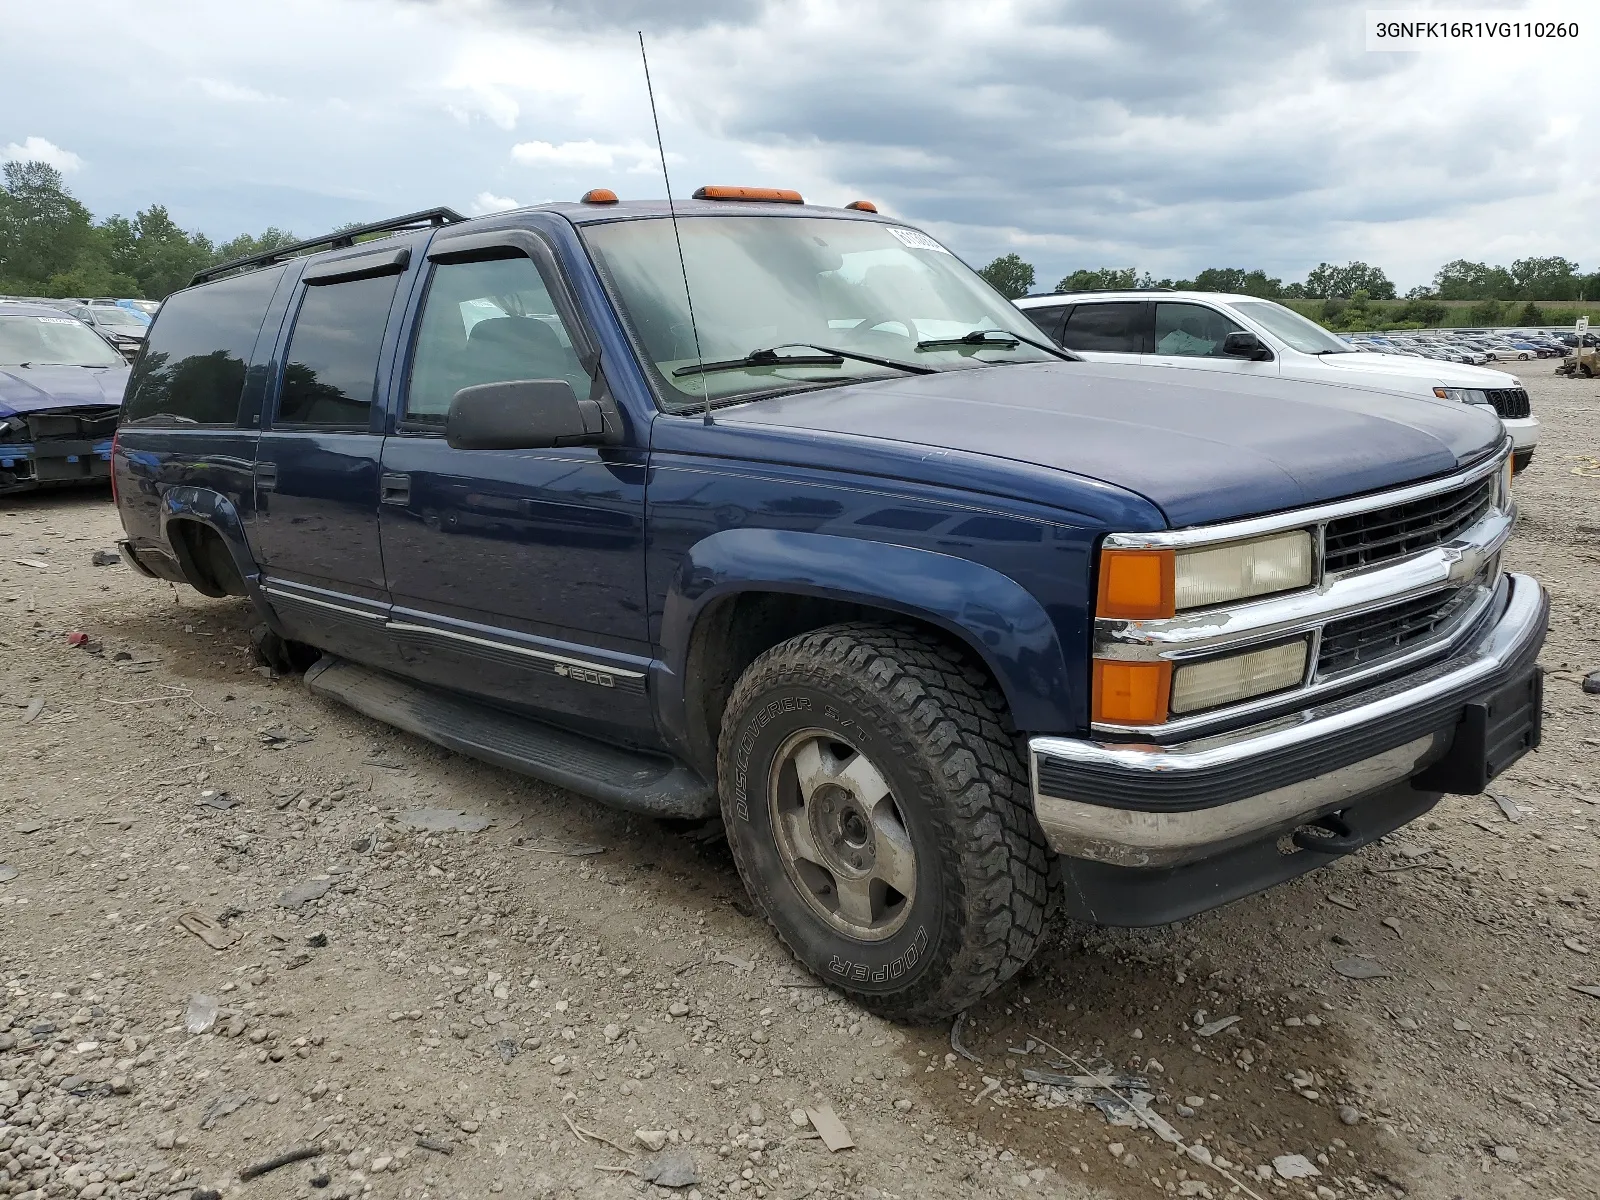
(559, 1000)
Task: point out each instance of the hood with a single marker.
(1202, 447)
(40, 389)
(1444, 374)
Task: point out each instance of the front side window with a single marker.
(1105, 328)
(1289, 326)
(1192, 330)
(790, 285)
(487, 322)
(332, 364)
(52, 342)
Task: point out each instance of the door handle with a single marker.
(395, 489)
(266, 476)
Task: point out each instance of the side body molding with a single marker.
(995, 616)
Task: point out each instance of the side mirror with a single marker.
(521, 414)
(1245, 345)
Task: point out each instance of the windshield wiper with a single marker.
(826, 356)
(999, 338)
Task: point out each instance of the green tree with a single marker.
(44, 230)
(245, 246)
(1530, 315)
(1009, 276)
(1553, 278)
(1239, 281)
(1341, 283)
(1464, 280)
(1486, 312)
(1419, 311)
(1101, 279)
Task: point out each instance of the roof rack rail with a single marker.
(1089, 292)
(339, 240)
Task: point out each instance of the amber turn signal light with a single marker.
(1131, 693)
(599, 196)
(725, 192)
(1136, 585)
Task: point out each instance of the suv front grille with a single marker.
(1510, 403)
(1365, 538)
(1370, 637)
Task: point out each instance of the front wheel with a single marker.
(880, 817)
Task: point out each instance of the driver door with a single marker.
(515, 574)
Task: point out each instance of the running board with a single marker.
(643, 783)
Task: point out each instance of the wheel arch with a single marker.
(742, 591)
(206, 536)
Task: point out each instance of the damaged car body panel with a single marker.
(60, 392)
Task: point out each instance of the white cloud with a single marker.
(636, 156)
(487, 202)
(221, 89)
(38, 149)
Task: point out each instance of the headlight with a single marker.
(1240, 570)
(1464, 395)
(1143, 585)
(1217, 681)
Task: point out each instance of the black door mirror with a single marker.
(521, 414)
(1245, 345)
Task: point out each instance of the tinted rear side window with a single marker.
(1108, 328)
(332, 362)
(192, 370)
(1047, 319)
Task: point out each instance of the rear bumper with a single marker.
(1145, 807)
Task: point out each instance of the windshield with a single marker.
(106, 314)
(1284, 323)
(53, 341)
(760, 283)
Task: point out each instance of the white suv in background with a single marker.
(1213, 331)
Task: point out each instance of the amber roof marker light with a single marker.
(718, 191)
(863, 206)
(598, 196)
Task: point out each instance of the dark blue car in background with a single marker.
(951, 628)
(61, 388)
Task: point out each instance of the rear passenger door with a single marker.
(517, 575)
(316, 530)
(1107, 331)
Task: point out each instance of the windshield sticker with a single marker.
(56, 320)
(916, 239)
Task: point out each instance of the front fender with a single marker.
(993, 614)
(215, 511)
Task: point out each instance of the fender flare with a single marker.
(217, 513)
(997, 618)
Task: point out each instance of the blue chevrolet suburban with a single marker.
(761, 509)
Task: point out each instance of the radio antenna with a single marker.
(672, 212)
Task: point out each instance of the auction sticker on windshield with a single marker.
(56, 320)
(916, 239)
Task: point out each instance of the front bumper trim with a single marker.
(1134, 804)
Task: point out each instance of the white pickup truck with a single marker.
(1214, 331)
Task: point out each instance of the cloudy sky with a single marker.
(1169, 135)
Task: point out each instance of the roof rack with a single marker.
(339, 240)
(1089, 292)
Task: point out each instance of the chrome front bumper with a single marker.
(1147, 805)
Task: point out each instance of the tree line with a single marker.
(51, 245)
(1347, 293)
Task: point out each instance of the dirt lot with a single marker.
(457, 1013)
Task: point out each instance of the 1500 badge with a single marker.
(585, 675)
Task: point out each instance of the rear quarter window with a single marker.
(192, 370)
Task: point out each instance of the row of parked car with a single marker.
(123, 323)
(1473, 346)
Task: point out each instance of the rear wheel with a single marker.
(879, 815)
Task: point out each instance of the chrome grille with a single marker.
(1362, 539)
(1370, 637)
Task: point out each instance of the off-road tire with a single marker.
(937, 730)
